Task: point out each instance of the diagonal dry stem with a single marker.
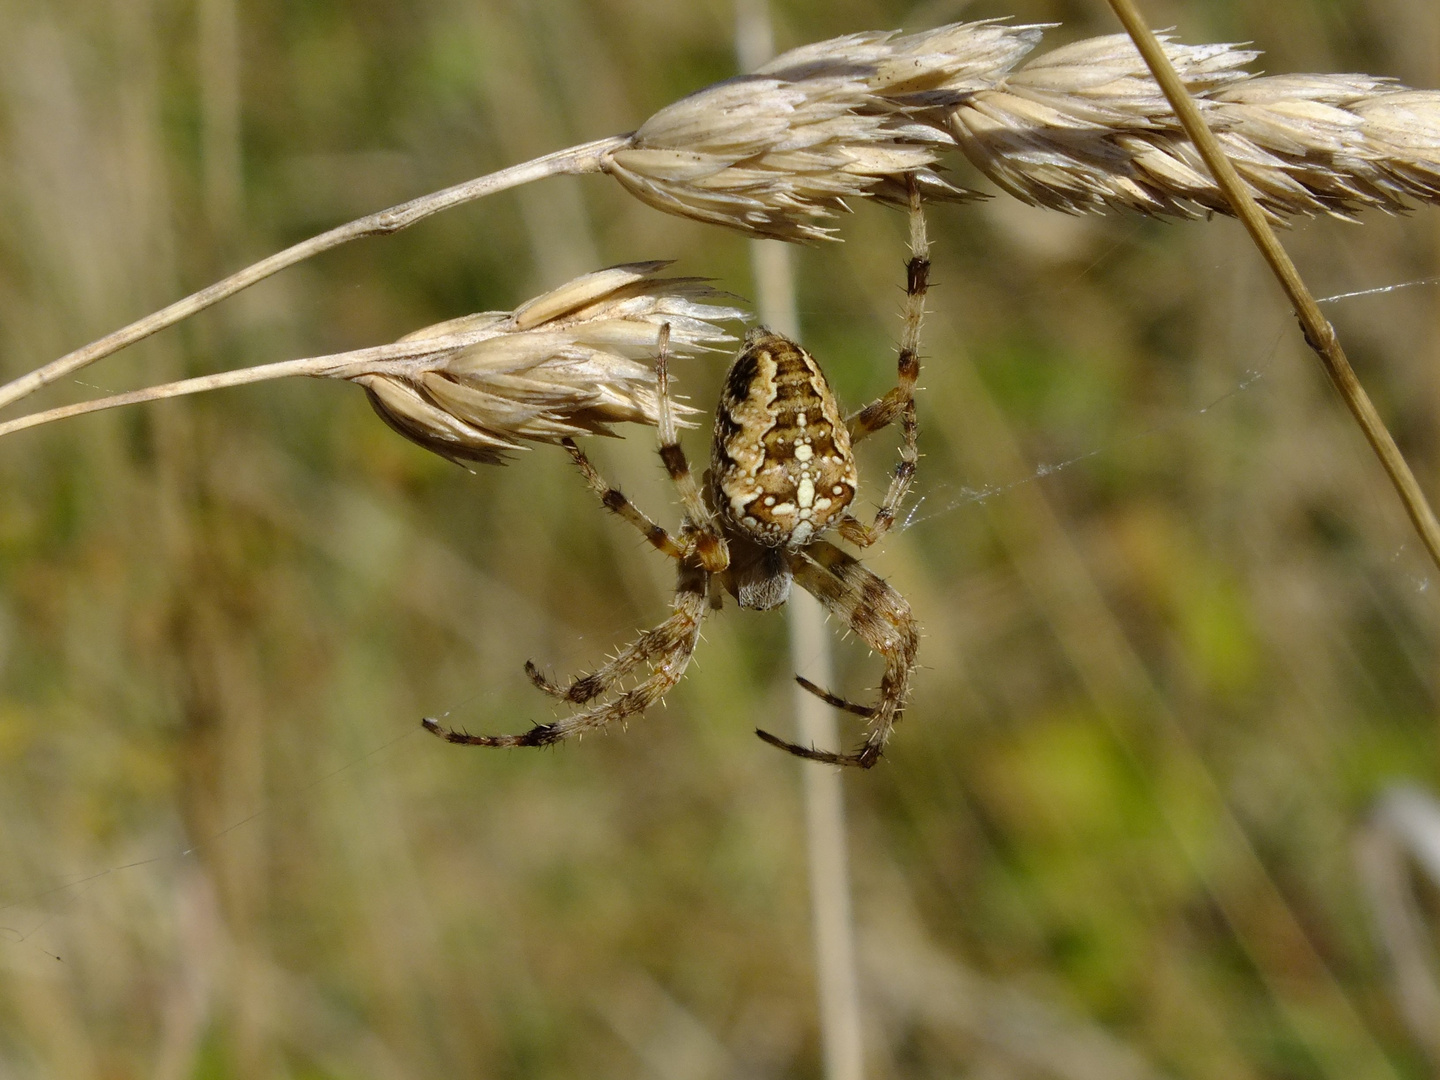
(1319, 334)
(586, 158)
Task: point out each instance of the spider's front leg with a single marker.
(703, 532)
(586, 688)
(616, 502)
(899, 402)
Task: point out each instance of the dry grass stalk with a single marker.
(1083, 128)
(577, 159)
(571, 362)
(771, 154)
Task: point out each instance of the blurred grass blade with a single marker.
(1404, 830)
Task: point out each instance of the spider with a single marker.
(782, 473)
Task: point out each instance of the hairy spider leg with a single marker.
(883, 411)
(585, 688)
(699, 535)
(709, 545)
(838, 702)
(622, 507)
(881, 618)
(667, 648)
(899, 402)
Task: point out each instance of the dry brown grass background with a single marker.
(1161, 685)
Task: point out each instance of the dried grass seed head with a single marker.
(1086, 128)
(571, 362)
(1403, 128)
(1352, 141)
(1082, 128)
(776, 153)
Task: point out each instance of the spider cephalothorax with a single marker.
(782, 473)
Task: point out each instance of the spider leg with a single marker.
(618, 504)
(585, 688)
(881, 618)
(883, 411)
(899, 402)
(855, 530)
(826, 696)
(667, 649)
(709, 545)
(699, 541)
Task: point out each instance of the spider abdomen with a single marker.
(782, 468)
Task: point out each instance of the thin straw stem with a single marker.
(826, 840)
(332, 366)
(1319, 334)
(827, 849)
(585, 158)
(827, 846)
(317, 366)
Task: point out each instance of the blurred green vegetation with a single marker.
(1161, 683)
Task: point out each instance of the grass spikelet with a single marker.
(776, 153)
(1085, 128)
(573, 361)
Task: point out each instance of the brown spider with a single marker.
(782, 473)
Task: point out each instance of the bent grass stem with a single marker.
(585, 158)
